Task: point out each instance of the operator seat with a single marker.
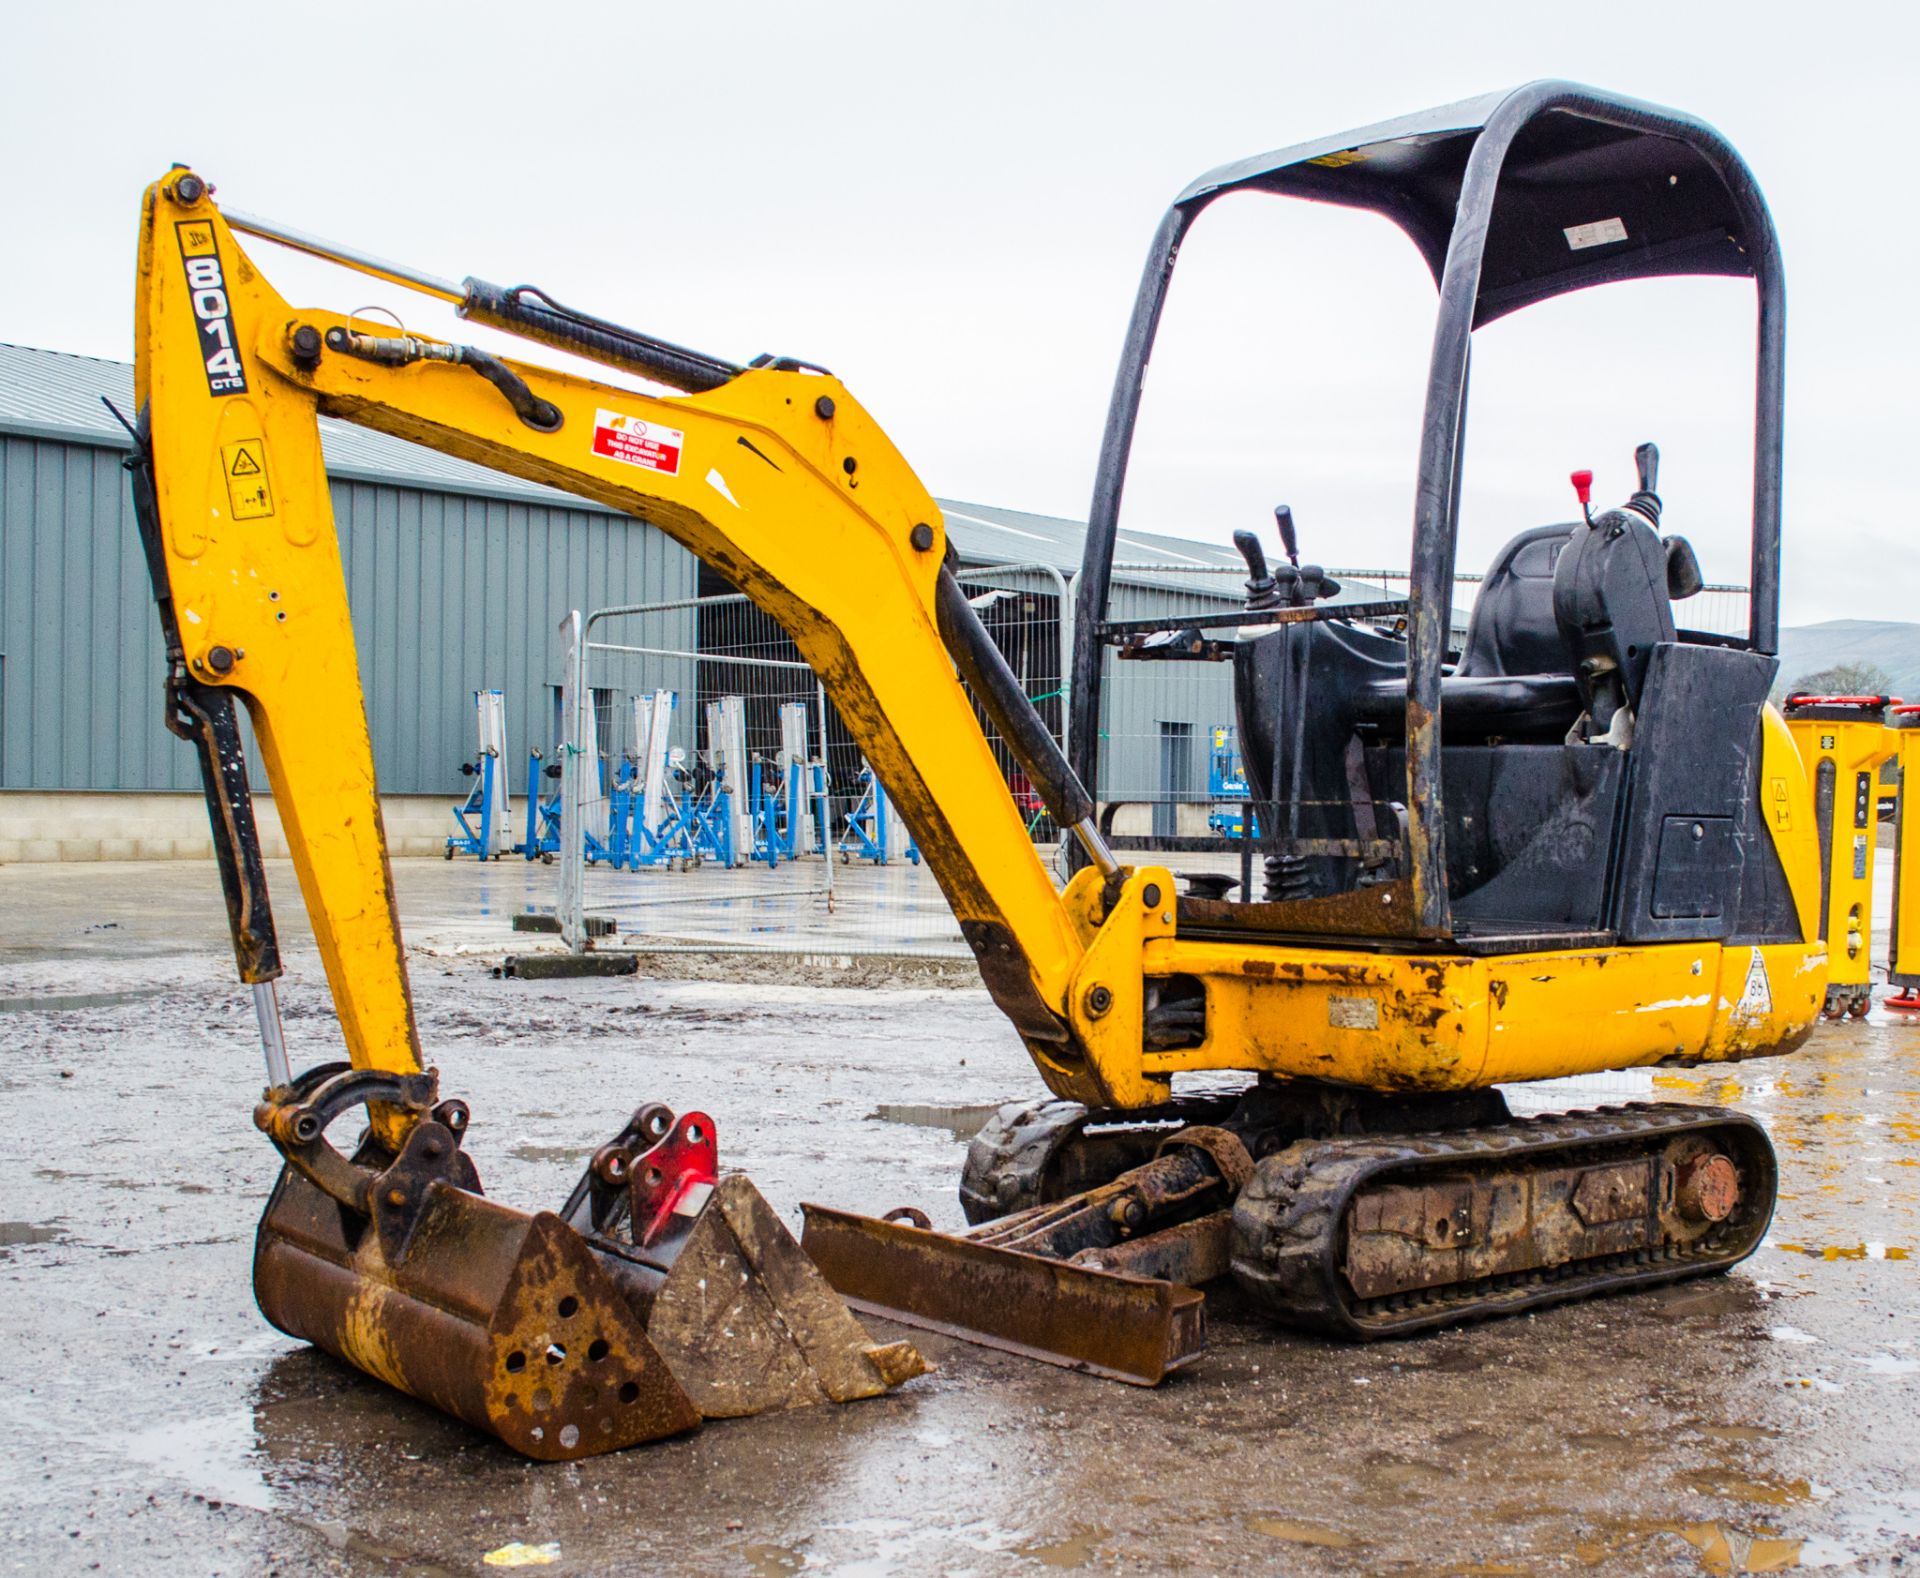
(1513, 630)
(1515, 676)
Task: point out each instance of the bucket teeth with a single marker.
(748, 1325)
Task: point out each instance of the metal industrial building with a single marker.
(459, 577)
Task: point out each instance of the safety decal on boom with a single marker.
(245, 465)
(634, 441)
(1756, 1001)
(207, 288)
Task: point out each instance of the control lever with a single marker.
(1262, 590)
(1283, 518)
(1583, 491)
(1646, 461)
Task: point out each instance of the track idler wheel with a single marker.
(1036, 1152)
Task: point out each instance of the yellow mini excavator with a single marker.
(1576, 839)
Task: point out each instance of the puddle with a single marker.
(1887, 1364)
(1739, 1432)
(770, 1561)
(1737, 1487)
(216, 1456)
(963, 1123)
(1295, 1532)
(1074, 1552)
(1846, 1251)
(1725, 1550)
(56, 1003)
(13, 1234)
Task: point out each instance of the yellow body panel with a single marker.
(1852, 750)
(1903, 953)
(807, 507)
(1450, 1022)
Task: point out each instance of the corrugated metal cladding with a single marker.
(450, 593)
(458, 578)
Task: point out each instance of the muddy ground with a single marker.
(154, 1423)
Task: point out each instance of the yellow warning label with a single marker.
(245, 464)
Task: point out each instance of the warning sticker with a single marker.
(245, 464)
(637, 442)
(1756, 1000)
(1596, 234)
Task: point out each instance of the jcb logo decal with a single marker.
(207, 286)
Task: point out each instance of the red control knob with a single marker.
(1582, 486)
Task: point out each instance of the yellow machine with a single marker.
(1903, 942)
(1845, 740)
(1580, 841)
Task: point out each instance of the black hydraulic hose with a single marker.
(206, 717)
(541, 415)
(526, 310)
(983, 666)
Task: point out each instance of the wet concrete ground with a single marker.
(1757, 1422)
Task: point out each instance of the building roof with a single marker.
(55, 395)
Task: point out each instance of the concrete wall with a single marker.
(69, 825)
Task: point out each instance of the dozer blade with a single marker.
(564, 1335)
(1097, 1281)
(1125, 1328)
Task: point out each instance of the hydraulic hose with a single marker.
(983, 666)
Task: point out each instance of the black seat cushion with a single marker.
(1478, 707)
(1513, 629)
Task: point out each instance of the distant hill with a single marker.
(1805, 649)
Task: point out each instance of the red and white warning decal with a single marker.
(637, 442)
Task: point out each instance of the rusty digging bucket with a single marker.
(661, 1295)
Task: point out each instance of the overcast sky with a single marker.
(949, 206)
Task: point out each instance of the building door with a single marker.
(1176, 777)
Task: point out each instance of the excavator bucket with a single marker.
(566, 1334)
(740, 1314)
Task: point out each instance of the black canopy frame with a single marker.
(1512, 198)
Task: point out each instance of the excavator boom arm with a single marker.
(775, 476)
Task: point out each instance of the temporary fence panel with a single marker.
(1158, 719)
(1158, 729)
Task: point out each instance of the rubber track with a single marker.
(1288, 1244)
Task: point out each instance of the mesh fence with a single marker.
(1170, 776)
(726, 805)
